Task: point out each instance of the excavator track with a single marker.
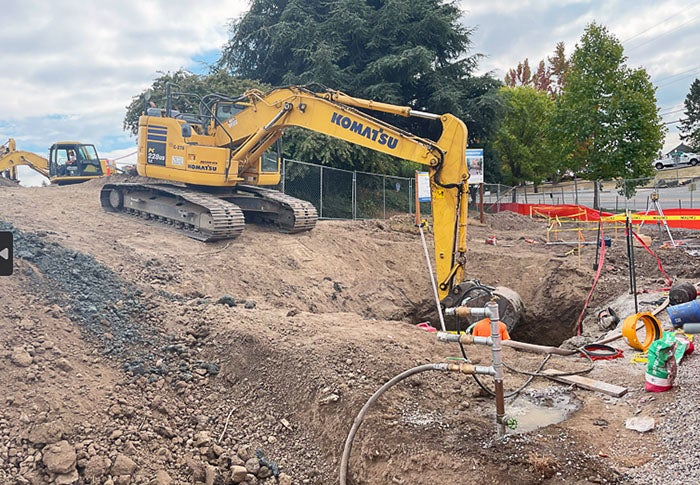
(289, 214)
(199, 215)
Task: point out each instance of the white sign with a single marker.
(475, 165)
(423, 183)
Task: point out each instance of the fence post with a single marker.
(283, 174)
(354, 195)
(384, 195)
(320, 202)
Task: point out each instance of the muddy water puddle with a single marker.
(537, 408)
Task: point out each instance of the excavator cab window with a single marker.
(225, 111)
(270, 160)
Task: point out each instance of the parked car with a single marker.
(679, 159)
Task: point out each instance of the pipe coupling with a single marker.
(465, 311)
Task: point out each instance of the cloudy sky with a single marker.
(70, 67)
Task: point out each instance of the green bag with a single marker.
(662, 363)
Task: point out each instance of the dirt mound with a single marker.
(132, 354)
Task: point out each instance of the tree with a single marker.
(404, 52)
(606, 123)
(559, 67)
(690, 125)
(521, 140)
(548, 78)
(184, 81)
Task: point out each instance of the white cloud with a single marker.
(661, 37)
(70, 67)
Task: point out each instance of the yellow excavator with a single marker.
(214, 165)
(69, 162)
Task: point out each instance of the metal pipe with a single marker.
(463, 338)
(432, 278)
(423, 114)
(465, 311)
(492, 307)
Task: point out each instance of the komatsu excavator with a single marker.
(215, 165)
(69, 162)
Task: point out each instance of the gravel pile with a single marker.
(110, 312)
(678, 427)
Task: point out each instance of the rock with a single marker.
(284, 479)
(640, 423)
(238, 473)
(97, 467)
(202, 439)
(252, 465)
(60, 457)
(64, 365)
(227, 300)
(209, 475)
(21, 357)
(123, 465)
(67, 478)
(46, 433)
(264, 472)
(161, 478)
(329, 399)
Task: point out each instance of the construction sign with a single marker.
(475, 165)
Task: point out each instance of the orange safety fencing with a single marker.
(675, 218)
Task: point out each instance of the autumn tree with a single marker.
(690, 124)
(607, 124)
(548, 77)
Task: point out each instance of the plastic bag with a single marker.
(661, 363)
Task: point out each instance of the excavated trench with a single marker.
(539, 322)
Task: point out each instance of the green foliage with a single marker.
(606, 124)
(404, 52)
(521, 140)
(690, 125)
(186, 82)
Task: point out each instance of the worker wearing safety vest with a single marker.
(482, 328)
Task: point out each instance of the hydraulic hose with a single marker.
(360, 416)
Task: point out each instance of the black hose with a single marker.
(360, 416)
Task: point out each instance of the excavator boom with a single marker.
(221, 154)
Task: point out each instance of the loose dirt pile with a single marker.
(130, 354)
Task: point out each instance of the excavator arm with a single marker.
(257, 127)
(10, 158)
(218, 154)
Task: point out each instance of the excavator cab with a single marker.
(73, 162)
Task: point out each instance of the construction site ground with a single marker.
(130, 354)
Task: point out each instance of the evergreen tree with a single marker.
(690, 125)
(405, 52)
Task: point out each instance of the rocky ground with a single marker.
(130, 354)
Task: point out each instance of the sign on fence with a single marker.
(475, 165)
(423, 183)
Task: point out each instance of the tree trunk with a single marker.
(596, 195)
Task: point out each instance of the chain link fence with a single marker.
(344, 194)
(675, 188)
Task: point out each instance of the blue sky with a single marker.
(71, 67)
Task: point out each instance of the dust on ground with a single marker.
(131, 354)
